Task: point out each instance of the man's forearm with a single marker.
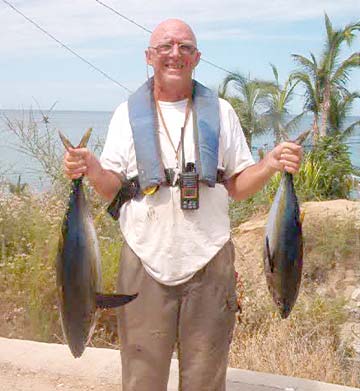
(284, 157)
(250, 180)
(105, 182)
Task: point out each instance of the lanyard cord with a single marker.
(187, 114)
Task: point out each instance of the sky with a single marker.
(238, 35)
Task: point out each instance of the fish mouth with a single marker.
(285, 309)
(284, 313)
(77, 351)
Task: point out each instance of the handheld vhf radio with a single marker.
(189, 182)
(189, 188)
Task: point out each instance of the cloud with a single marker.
(81, 22)
(74, 23)
(31, 61)
(242, 34)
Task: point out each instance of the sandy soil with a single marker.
(15, 379)
(247, 238)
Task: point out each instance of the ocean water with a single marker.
(74, 124)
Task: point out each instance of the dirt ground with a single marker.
(247, 239)
(14, 379)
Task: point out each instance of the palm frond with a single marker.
(329, 28)
(349, 30)
(294, 123)
(340, 107)
(306, 64)
(349, 130)
(311, 92)
(275, 72)
(341, 76)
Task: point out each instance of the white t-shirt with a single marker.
(173, 244)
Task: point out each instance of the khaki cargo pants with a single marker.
(198, 315)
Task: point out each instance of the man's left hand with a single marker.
(286, 156)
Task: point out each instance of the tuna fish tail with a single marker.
(299, 139)
(85, 139)
(65, 141)
(113, 300)
(302, 137)
(82, 144)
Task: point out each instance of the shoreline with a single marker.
(74, 122)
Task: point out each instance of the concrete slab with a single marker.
(35, 366)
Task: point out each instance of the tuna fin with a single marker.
(299, 140)
(82, 144)
(85, 139)
(65, 141)
(302, 216)
(113, 300)
(269, 257)
(302, 137)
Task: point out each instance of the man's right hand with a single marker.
(80, 161)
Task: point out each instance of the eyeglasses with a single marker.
(166, 48)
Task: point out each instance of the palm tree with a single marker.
(340, 107)
(329, 75)
(278, 99)
(309, 78)
(334, 76)
(247, 101)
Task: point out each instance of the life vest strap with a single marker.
(130, 188)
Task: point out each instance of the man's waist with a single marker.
(130, 189)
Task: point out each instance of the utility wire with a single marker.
(94, 66)
(149, 31)
(84, 59)
(66, 46)
(123, 16)
(87, 61)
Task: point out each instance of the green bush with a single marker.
(324, 173)
(241, 211)
(332, 156)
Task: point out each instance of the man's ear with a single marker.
(197, 59)
(148, 57)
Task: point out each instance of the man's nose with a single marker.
(175, 49)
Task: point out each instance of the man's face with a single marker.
(172, 53)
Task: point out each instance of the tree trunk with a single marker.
(315, 128)
(277, 133)
(325, 110)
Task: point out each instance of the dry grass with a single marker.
(301, 346)
(29, 233)
(307, 344)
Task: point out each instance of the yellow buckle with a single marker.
(151, 190)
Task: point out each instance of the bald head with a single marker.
(170, 26)
(173, 55)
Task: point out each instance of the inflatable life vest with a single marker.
(144, 123)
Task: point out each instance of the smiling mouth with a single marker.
(174, 66)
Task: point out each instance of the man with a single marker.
(179, 260)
